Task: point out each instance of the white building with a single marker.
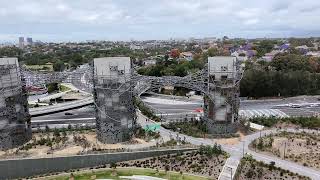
(150, 62)
(136, 47)
(313, 53)
(240, 56)
(187, 55)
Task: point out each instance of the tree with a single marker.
(56, 133)
(52, 87)
(47, 129)
(213, 52)
(167, 168)
(58, 66)
(175, 53)
(113, 166)
(271, 165)
(264, 47)
(260, 144)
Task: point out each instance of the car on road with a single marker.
(68, 114)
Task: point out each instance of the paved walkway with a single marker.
(236, 151)
(229, 169)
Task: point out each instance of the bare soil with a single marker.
(251, 169)
(73, 143)
(189, 162)
(302, 148)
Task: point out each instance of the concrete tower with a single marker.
(115, 112)
(222, 113)
(14, 114)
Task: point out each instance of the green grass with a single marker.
(128, 172)
(64, 88)
(192, 128)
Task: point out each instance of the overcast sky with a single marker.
(78, 20)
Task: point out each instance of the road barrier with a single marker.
(19, 168)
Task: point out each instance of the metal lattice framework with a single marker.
(198, 81)
(136, 84)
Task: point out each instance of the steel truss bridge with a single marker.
(221, 97)
(139, 84)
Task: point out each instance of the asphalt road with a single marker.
(248, 108)
(84, 112)
(178, 108)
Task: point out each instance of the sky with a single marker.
(80, 20)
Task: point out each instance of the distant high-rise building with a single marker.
(21, 42)
(29, 41)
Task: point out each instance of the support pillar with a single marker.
(113, 97)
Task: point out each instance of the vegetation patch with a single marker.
(115, 173)
(302, 148)
(251, 169)
(145, 110)
(207, 161)
(305, 122)
(71, 141)
(192, 128)
(195, 128)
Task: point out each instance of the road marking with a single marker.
(52, 120)
(262, 112)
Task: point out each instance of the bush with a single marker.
(210, 150)
(306, 122)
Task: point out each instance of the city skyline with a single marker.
(55, 21)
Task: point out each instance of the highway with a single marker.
(171, 108)
(40, 111)
(307, 106)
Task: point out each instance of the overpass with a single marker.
(40, 111)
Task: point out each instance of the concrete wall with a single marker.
(10, 169)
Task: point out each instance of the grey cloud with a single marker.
(147, 19)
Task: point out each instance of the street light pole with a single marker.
(230, 168)
(284, 152)
(243, 143)
(260, 133)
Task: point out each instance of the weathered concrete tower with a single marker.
(14, 114)
(113, 95)
(222, 113)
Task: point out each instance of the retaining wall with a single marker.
(18, 168)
